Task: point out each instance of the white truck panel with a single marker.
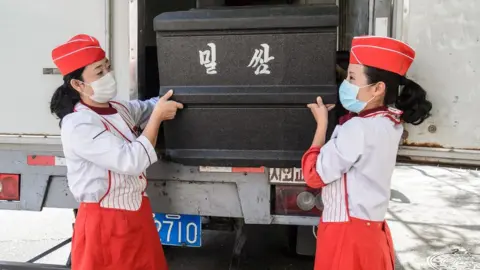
(446, 37)
(30, 29)
(124, 53)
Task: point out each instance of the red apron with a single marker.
(356, 244)
(115, 239)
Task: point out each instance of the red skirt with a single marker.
(115, 239)
(354, 245)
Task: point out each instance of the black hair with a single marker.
(65, 97)
(412, 99)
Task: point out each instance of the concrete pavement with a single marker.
(435, 212)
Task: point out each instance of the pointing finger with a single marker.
(319, 101)
(167, 96)
(179, 105)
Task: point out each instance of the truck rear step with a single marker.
(30, 266)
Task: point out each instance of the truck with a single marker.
(241, 166)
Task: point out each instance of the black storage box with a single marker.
(245, 76)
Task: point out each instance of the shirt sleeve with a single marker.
(89, 138)
(309, 168)
(341, 152)
(141, 110)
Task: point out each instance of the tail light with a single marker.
(298, 200)
(9, 187)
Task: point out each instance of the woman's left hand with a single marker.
(320, 111)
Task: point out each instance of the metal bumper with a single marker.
(30, 266)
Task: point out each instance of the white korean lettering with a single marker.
(208, 59)
(274, 174)
(298, 175)
(287, 174)
(260, 60)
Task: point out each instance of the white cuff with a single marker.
(149, 149)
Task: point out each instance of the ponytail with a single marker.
(65, 97)
(412, 99)
(413, 102)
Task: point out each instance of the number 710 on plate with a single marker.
(179, 230)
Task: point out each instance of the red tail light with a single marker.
(9, 187)
(298, 200)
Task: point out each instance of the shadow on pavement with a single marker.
(266, 249)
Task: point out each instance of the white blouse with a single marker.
(106, 161)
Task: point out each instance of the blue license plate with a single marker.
(179, 230)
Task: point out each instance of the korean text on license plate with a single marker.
(286, 176)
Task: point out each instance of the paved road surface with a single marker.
(434, 212)
(266, 249)
(23, 235)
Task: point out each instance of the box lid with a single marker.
(240, 18)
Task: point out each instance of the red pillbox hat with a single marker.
(382, 53)
(80, 51)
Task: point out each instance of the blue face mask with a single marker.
(348, 97)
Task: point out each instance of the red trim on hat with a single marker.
(80, 51)
(383, 53)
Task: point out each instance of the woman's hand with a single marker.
(166, 109)
(320, 111)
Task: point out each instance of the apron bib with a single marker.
(355, 244)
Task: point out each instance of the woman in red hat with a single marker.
(106, 161)
(354, 168)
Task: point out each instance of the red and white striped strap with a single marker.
(391, 113)
(124, 112)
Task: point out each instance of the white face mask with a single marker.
(104, 89)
